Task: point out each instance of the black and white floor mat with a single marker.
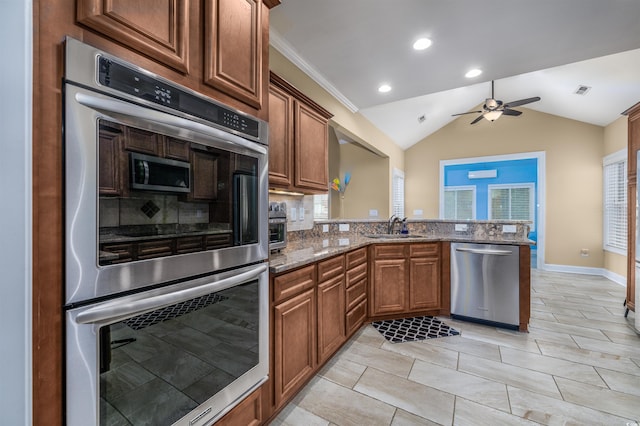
(412, 329)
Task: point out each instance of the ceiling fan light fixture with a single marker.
(473, 73)
(492, 115)
(421, 43)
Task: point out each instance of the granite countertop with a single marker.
(303, 252)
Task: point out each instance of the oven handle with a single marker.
(124, 108)
(118, 310)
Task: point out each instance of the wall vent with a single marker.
(582, 90)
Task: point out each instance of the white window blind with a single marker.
(397, 195)
(512, 202)
(615, 202)
(321, 207)
(459, 202)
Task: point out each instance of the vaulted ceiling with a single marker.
(545, 48)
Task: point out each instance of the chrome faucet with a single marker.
(392, 224)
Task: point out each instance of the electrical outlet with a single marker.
(343, 227)
(301, 214)
(509, 229)
(292, 214)
(373, 213)
(584, 252)
(461, 227)
(343, 241)
(325, 228)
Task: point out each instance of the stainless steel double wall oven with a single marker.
(166, 244)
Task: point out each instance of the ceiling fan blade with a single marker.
(463, 113)
(513, 112)
(477, 119)
(521, 102)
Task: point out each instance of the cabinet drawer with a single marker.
(292, 283)
(330, 268)
(158, 248)
(421, 250)
(356, 293)
(356, 257)
(356, 316)
(356, 274)
(389, 251)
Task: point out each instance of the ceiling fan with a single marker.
(494, 108)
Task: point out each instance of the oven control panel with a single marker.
(126, 79)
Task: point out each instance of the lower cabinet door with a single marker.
(331, 319)
(295, 346)
(424, 283)
(388, 293)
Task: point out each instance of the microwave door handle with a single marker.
(145, 164)
(125, 109)
(118, 310)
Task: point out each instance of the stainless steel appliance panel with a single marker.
(165, 356)
(485, 283)
(87, 278)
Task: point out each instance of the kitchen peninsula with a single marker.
(341, 274)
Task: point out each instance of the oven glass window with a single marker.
(159, 366)
(162, 196)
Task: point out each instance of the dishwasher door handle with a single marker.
(485, 251)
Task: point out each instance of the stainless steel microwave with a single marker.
(150, 173)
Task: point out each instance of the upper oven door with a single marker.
(120, 236)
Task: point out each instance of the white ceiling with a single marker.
(543, 48)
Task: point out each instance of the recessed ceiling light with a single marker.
(421, 43)
(384, 88)
(473, 73)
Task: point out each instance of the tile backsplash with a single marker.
(116, 212)
(297, 203)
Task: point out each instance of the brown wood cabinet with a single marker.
(233, 48)
(234, 33)
(632, 182)
(298, 140)
(294, 341)
(109, 154)
(331, 307)
(405, 279)
(204, 176)
(356, 289)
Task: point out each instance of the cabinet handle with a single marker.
(485, 251)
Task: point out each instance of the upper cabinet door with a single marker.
(311, 149)
(156, 28)
(233, 48)
(280, 138)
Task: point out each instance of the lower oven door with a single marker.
(184, 354)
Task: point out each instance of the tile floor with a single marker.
(578, 365)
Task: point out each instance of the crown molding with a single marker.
(282, 46)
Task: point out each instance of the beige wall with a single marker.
(353, 124)
(574, 152)
(615, 139)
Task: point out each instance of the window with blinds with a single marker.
(615, 202)
(397, 195)
(459, 202)
(512, 202)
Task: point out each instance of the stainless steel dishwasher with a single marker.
(485, 284)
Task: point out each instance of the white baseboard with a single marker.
(616, 278)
